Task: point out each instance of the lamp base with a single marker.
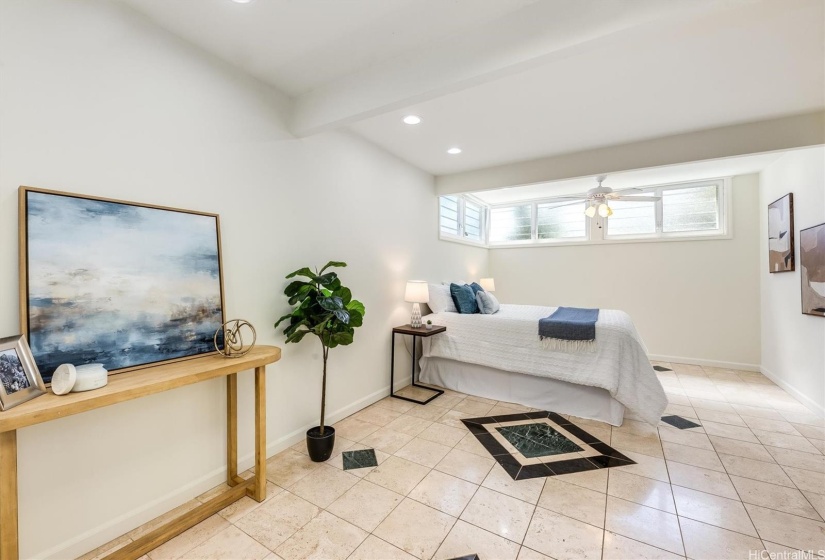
(415, 320)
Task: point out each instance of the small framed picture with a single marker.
(20, 379)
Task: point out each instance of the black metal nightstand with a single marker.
(415, 333)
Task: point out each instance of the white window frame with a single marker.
(460, 238)
(595, 235)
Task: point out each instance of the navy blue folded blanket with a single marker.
(570, 323)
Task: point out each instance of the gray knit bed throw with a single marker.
(570, 329)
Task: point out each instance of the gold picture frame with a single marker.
(20, 379)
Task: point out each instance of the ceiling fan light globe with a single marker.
(603, 210)
(590, 212)
(609, 211)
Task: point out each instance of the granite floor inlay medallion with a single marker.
(540, 444)
(537, 440)
(679, 422)
(359, 459)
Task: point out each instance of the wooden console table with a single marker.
(133, 385)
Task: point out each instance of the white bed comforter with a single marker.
(508, 340)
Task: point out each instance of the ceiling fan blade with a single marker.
(637, 198)
(577, 201)
(581, 197)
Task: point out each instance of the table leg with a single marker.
(412, 367)
(8, 496)
(232, 429)
(392, 365)
(260, 434)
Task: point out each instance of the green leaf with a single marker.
(341, 338)
(295, 286)
(297, 336)
(327, 279)
(282, 319)
(337, 264)
(356, 305)
(345, 294)
(341, 315)
(355, 318)
(331, 303)
(306, 271)
(306, 291)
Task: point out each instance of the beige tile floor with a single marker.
(751, 479)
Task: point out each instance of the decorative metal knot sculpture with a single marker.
(233, 343)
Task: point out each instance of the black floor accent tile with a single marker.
(539, 441)
(679, 422)
(468, 557)
(359, 459)
(661, 368)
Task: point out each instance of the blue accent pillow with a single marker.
(464, 298)
(476, 288)
(487, 303)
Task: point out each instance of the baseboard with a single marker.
(702, 362)
(796, 393)
(122, 524)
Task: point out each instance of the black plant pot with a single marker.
(320, 446)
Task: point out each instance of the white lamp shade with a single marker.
(417, 292)
(489, 284)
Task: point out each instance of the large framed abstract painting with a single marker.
(812, 262)
(119, 283)
(780, 235)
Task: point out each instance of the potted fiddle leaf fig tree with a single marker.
(324, 308)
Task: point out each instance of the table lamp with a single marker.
(416, 292)
(489, 284)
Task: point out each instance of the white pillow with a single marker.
(440, 299)
(487, 303)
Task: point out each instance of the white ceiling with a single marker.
(510, 80)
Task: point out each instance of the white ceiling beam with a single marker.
(535, 35)
(796, 131)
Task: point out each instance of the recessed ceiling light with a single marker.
(454, 151)
(412, 119)
(242, 1)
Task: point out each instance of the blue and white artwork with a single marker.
(119, 284)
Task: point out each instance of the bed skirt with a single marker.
(529, 390)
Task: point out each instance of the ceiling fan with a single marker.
(599, 197)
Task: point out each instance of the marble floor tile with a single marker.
(429, 412)
(235, 511)
(796, 443)
(397, 405)
(597, 480)
(448, 400)
(467, 466)
(138, 532)
(338, 460)
(636, 428)
(229, 543)
(713, 510)
(646, 445)
(323, 486)
(473, 408)
(415, 528)
(398, 475)
(769, 425)
(757, 470)
(692, 456)
(810, 432)
(445, 435)
(499, 514)
(325, 537)
(409, 425)
(453, 419)
(423, 452)
(387, 440)
(798, 459)
(757, 412)
(189, 539)
(563, 538)
(700, 405)
(650, 467)
(354, 429)
(650, 526)
(288, 467)
(781, 498)
(444, 492)
(738, 448)
(106, 549)
(685, 437)
(374, 548)
(376, 415)
(641, 490)
(574, 501)
(278, 519)
(617, 547)
(817, 501)
(786, 529)
(707, 542)
(365, 505)
(704, 480)
(465, 538)
(720, 417)
(781, 551)
(471, 444)
(728, 431)
(527, 490)
(530, 554)
(803, 417)
(807, 480)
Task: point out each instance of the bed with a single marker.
(501, 357)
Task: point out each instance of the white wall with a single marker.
(695, 301)
(793, 344)
(94, 99)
